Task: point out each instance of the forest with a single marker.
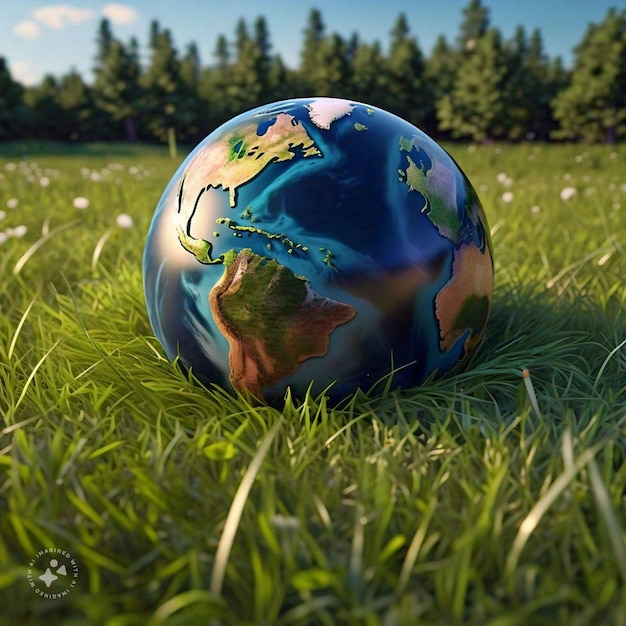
(480, 87)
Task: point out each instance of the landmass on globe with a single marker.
(462, 305)
(272, 319)
(233, 162)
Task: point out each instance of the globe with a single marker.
(318, 245)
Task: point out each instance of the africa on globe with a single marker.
(318, 244)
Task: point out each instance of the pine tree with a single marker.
(519, 88)
(262, 42)
(168, 101)
(440, 70)
(474, 25)
(333, 73)
(214, 83)
(250, 77)
(368, 82)
(11, 104)
(310, 59)
(190, 69)
(408, 93)
(542, 86)
(281, 80)
(104, 39)
(75, 99)
(475, 107)
(593, 106)
(49, 119)
(116, 87)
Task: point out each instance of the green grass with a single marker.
(486, 498)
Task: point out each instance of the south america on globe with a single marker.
(319, 245)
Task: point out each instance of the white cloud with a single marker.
(61, 15)
(27, 29)
(120, 13)
(24, 73)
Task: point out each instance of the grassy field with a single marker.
(490, 498)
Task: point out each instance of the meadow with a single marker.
(495, 497)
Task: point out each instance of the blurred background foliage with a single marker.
(479, 87)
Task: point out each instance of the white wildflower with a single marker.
(504, 179)
(507, 196)
(80, 203)
(95, 176)
(567, 193)
(12, 203)
(9, 167)
(535, 209)
(3, 237)
(3, 214)
(18, 231)
(124, 220)
(44, 181)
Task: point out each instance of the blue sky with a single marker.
(42, 37)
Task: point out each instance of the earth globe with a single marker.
(321, 245)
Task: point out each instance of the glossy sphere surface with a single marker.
(318, 242)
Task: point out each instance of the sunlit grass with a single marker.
(495, 497)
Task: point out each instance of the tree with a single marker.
(213, 88)
(408, 93)
(75, 99)
(11, 103)
(282, 81)
(593, 106)
(116, 88)
(474, 25)
(368, 83)
(168, 102)
(249, 84)
(48, 118)
(190, 66)
(475, 107)
(520, 86)
(333, 72)
(440, 68)
(104, 39)
(262, 43)
(541, 85)
(314, 35)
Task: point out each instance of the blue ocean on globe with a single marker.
(322, 245)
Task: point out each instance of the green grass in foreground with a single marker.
(456, 503)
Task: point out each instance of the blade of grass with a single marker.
(24, 258)
(236, 509)
(540, 508)
(608, 516)
(18, 329)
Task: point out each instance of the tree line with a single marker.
(479, 87)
